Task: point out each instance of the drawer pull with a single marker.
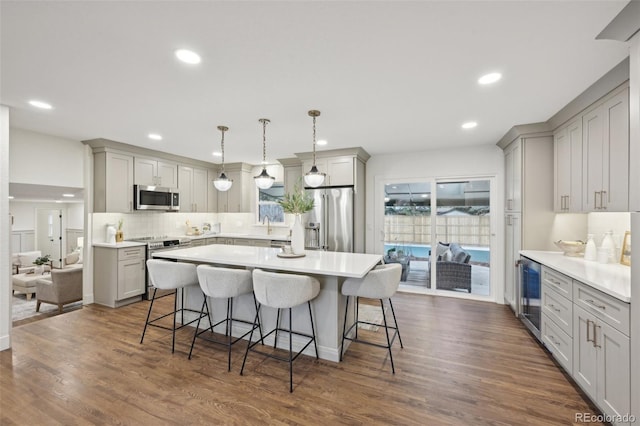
(554, 308)
(591, 302)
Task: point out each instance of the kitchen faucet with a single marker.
(268, 219)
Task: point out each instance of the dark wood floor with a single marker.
(464, 363)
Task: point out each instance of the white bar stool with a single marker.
(277, 290)
(380, 283)
(167, 275)
(224, 283)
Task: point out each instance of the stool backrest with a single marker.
(224, 282)
(278, 290)
(380, 283)
(166, 275)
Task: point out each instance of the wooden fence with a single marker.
(466, 230)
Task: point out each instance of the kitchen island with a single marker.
(330, 268)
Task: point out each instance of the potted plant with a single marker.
(40, 262)
(297, 203)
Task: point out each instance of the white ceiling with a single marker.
(388, 76)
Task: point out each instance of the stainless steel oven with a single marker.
(156, 244)
(529, 300)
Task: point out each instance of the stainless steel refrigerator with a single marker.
(330, 224)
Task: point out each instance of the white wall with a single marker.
(24, 213)
(75, 216)
(41, 159)
(5, 233)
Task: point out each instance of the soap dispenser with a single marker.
(610, 246)
(590, 251)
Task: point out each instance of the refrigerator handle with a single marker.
(325, 219)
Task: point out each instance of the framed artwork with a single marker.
(625, 256)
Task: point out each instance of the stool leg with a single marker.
(313, 330)
(181, 305)
(386, 330)
(275, 342)
(175, 311)
(290, 354)
(250, 337)
(396, 321)
(229, 328)
(255, 303)
(357, 306)
(344, 328)
(195, 333)
(226, 323)
(153, 298)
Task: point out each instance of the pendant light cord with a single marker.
(222, 148)
(314, 140)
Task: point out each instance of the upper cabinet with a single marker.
(513, 172)
(149, 171)
(340, 170)
(239, 197)
(192, 183)
(567, 167)
(605, 132)
(112, 182)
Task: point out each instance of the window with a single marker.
(268, 203)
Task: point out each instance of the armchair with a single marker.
(65, 286)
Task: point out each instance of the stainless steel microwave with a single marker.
(155, 198)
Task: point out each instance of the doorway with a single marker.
(49, 236)
(440, 232)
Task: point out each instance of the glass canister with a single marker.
(610, 246)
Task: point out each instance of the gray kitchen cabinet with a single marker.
(192, 183)
(601, 363)
(112, 182)
(292, 173)
(150, 171)
(513, 235)
(567, 143)
(556, 327)
(238, 198)
(339, 170)
(212, 192)
(605, 133)
(119, 275)
(529, 216)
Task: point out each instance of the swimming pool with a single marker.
(478, 254)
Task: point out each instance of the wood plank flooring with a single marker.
(464, 363)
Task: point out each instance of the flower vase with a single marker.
(38, 269)
(297, 235)
(119, 236)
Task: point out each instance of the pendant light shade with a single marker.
(313, 177)
(222, 182)
(263, 180)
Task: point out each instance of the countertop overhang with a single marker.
(611, 278)
(271, 237)
(350, 265)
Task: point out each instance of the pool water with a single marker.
(478, 254)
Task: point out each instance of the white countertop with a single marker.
(123, 244)
(612, 279)
(272, 237)
(355, 265)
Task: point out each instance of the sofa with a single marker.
(23, 262)
(24, 279)
(453, 271)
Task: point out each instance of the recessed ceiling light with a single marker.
(11, 197)
(217, 154)
(322, 142)
(154, 136)
(490, 78)
(58, 201)
(469, 125)
(424, 195)
(188, 56)
(68, 195)
(40, 104)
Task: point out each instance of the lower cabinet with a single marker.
(586, 331)
(119, 275)
(601, 363)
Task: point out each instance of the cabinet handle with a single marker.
(595, 335)
(602, 203)
(595, 194)
(588, 328)
(591, 302)
(554, 308)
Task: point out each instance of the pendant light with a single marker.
(222, 182)
(314, 178)
(263, 180)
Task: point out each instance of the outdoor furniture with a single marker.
(404, 261)
(453, 271)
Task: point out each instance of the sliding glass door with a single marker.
(440, 232)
